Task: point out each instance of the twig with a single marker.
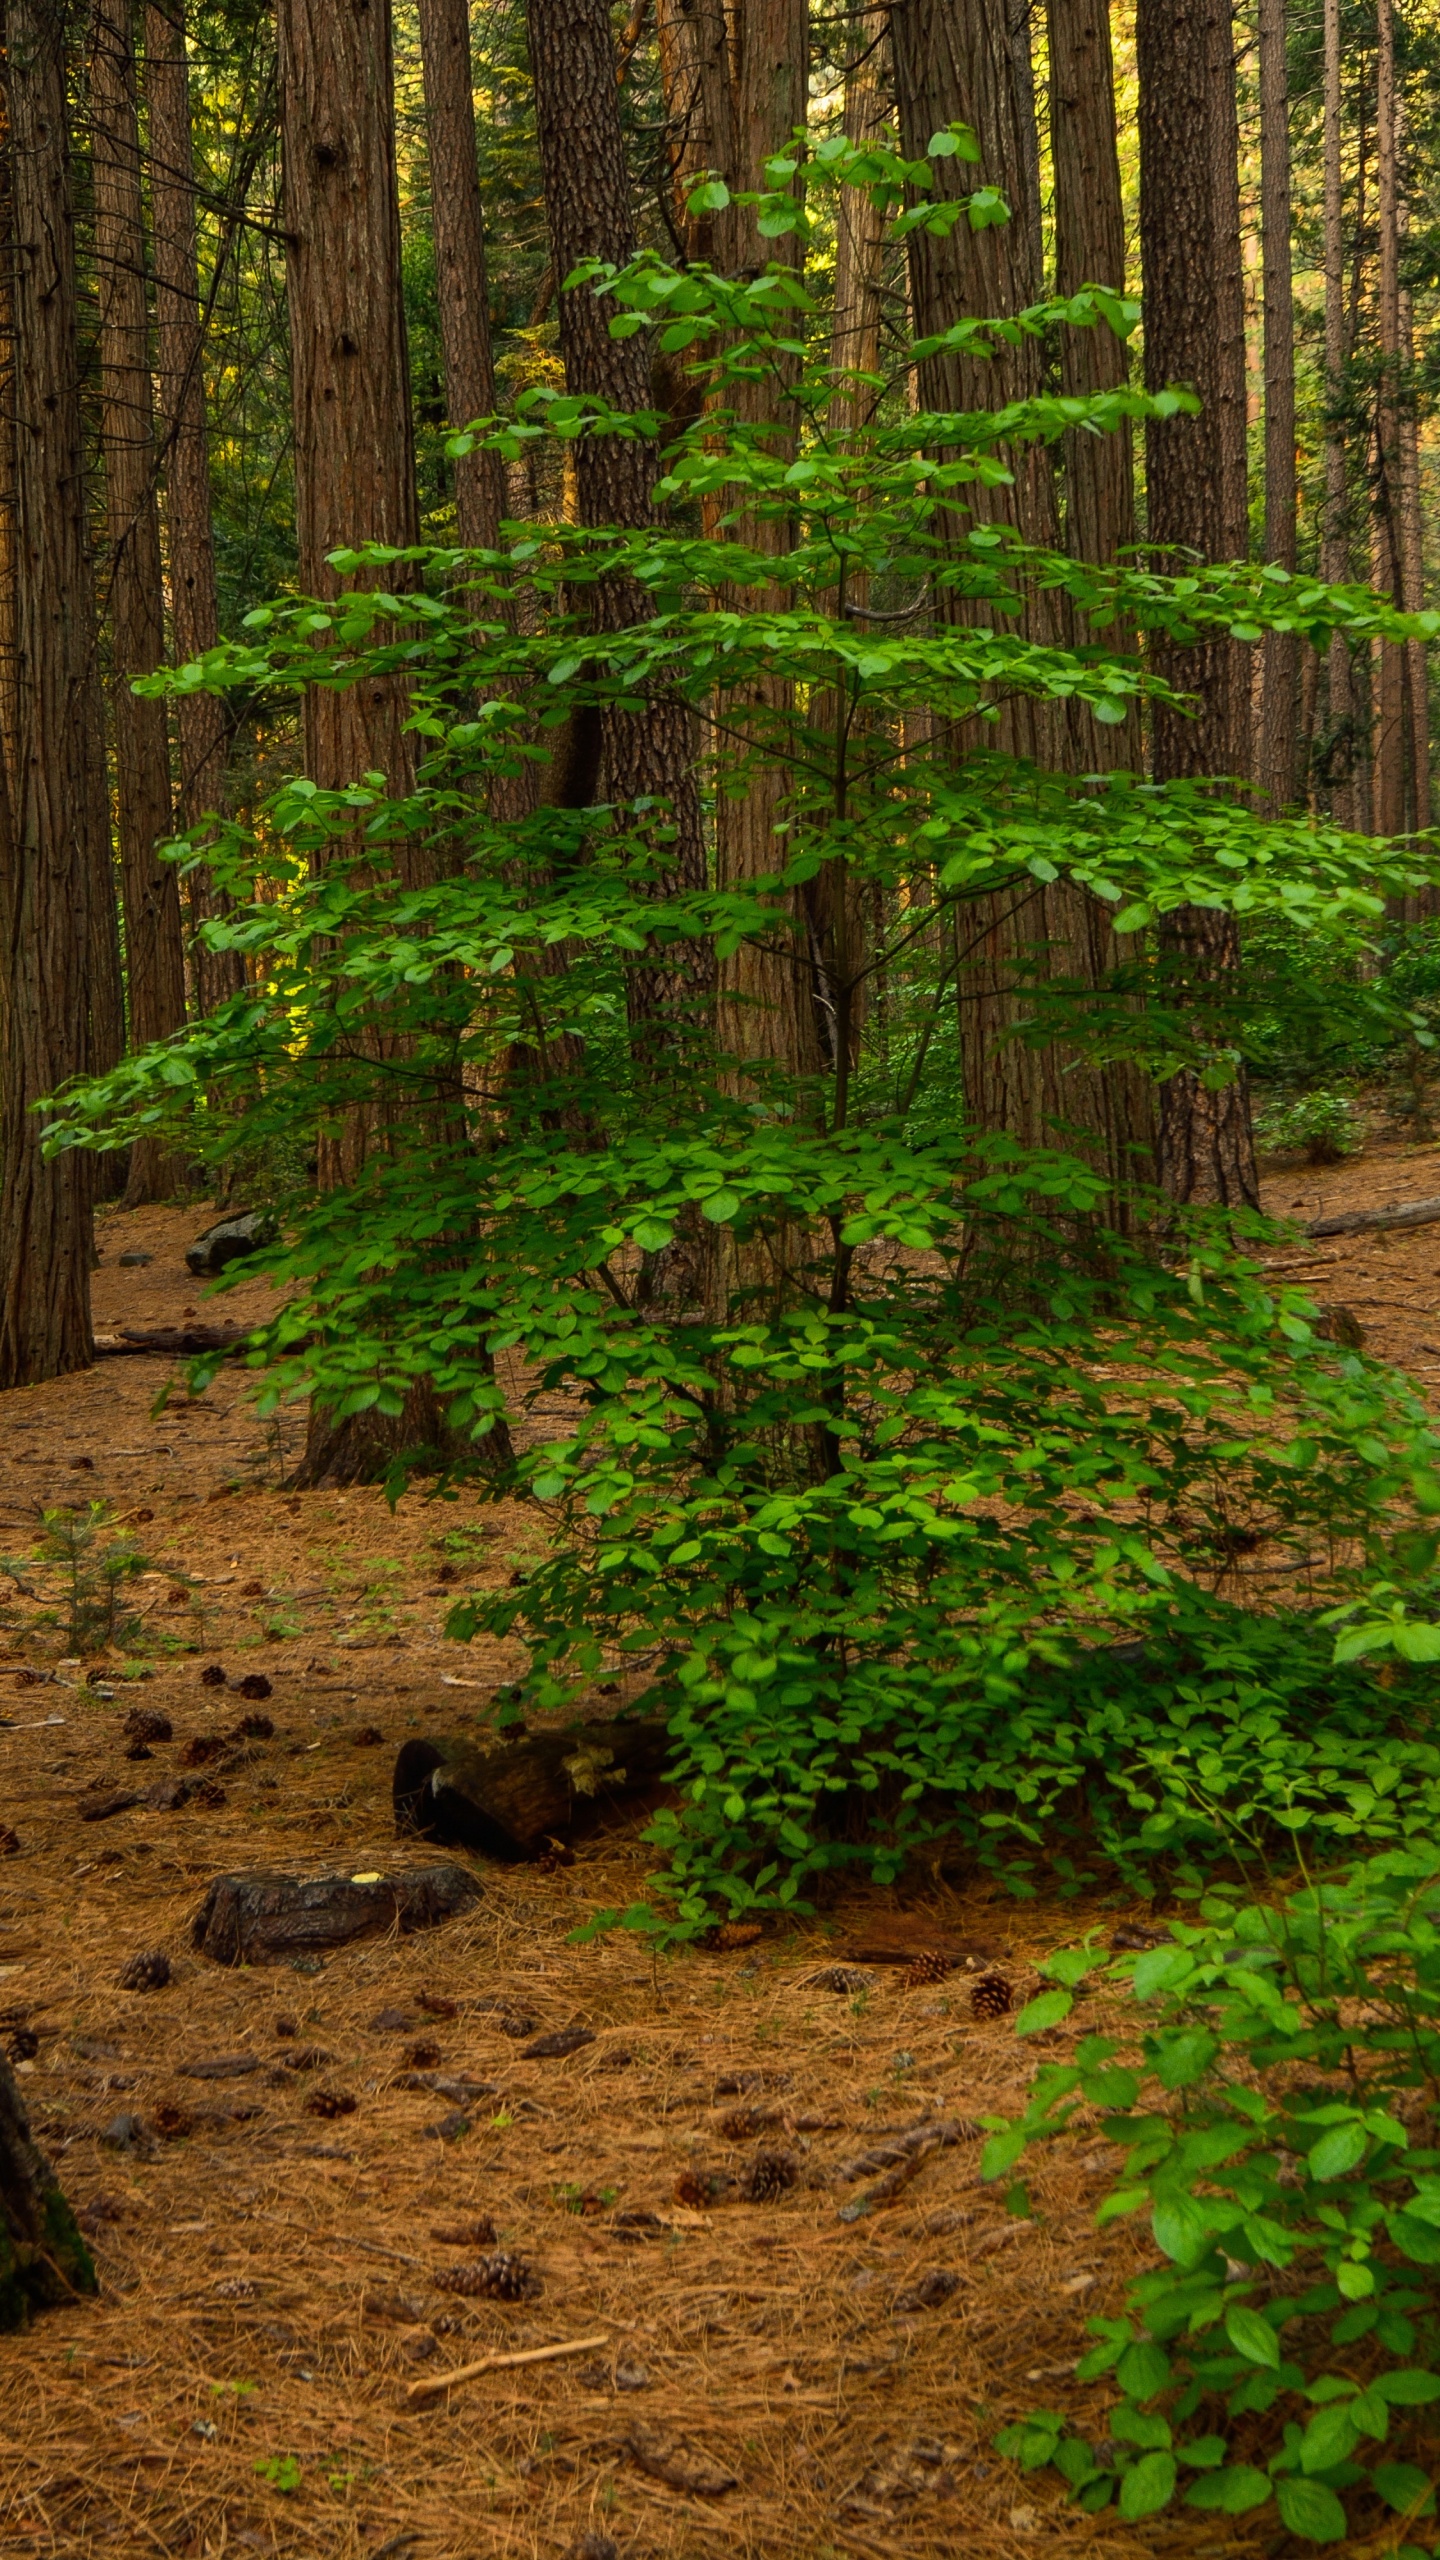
(492, 2364)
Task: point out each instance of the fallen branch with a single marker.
(172, 1339)
(492, 2364)
(1355, 1222)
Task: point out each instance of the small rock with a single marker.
(135, 1261)
(123, 2133)
(229, 1241)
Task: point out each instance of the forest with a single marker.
(719, 1061)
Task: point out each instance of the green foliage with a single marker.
(873, 1433)
(87, 1571)
(1277, 2131)
(281, 2470)
(1320, 1124)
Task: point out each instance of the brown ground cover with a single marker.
(269, 2270)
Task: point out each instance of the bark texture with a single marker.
(1276, 763)
(700, 121)
(154, 949)
(1090, 249)
(1189, 229)
(43, 2259)
(1341, 762)
(56, 854)
(202, 728)
(461, 287)
(1386, 564)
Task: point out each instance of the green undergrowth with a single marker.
(1270, 2107)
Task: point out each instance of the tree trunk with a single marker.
(647, 754)
(700, 121)
(57, 857)
(1412, 571)
(201, 724)
(43, 2259)
(1389, 656)
(1188, 202)
(354, 481)
(461, 287)
(1341, 753)
(154, 950)
(1277, 773)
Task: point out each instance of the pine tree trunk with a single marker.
(647, 754)
(700, 127)
(1412, 568)
(1389, 656)
(201, 724)
(1190, 258)
(461, 287)
(354, 482)
(1277, 774)
(1341, 754)
(56, 855)
(43, 2259)
(154, 950)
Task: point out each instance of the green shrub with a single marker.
(1321, 1125)
(1278, 2129)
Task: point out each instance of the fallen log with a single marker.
(267, 1918)
(172, 1340)
(43, 2259)
(511, 1794)
(1356, 1222)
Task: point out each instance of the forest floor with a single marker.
(268, 2290)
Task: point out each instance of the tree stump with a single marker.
(43, 2259)
(265, 1918)
(508, 1795)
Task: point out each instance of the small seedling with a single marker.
(282, 2470)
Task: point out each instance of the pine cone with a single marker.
(147, 1724)
(435, 2004)
(330, 2102)
(733, 1934)
(502, 2278)
(209, 1795)
(171, 2121)
(743, 2123)
(770, 2173)
(479, 2234)
(422, 2055)
(147, 1972)
(367, 1734)
(253, 1728)
(9, 1842)
(255, 1685)
(701, 2188)
(139, 1751)
(839, 1977)
(992, 1997)
(287, 2026)
(213, 1676)
(930, 1966)
(200, 1748)
(24, 2044)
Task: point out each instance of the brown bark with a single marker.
(961, 62)
(1188, 202)
(461, 287)
(648, 754)
(1342, 750)
(1277, 763)
(154, 950)
(1389, 663)
(202, 729)
(1412, 572)
(700, 120)
(56, 852)
(43, 2259)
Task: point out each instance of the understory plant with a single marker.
(1272, 2110)
(867, 1436)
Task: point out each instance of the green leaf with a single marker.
(1403, 2487)
(1251, 2336)
(1047, 2011)
(712, 196)
(1232, 2492)
(721, 1207)
(1143, 2370)
(1410, 2388)
(1338, 2151)
(1150, 2486)
(1311, 2510)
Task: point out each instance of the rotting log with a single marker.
(43, 2259)
(1357, 1222)
(265, 1918)
(507, 1796)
